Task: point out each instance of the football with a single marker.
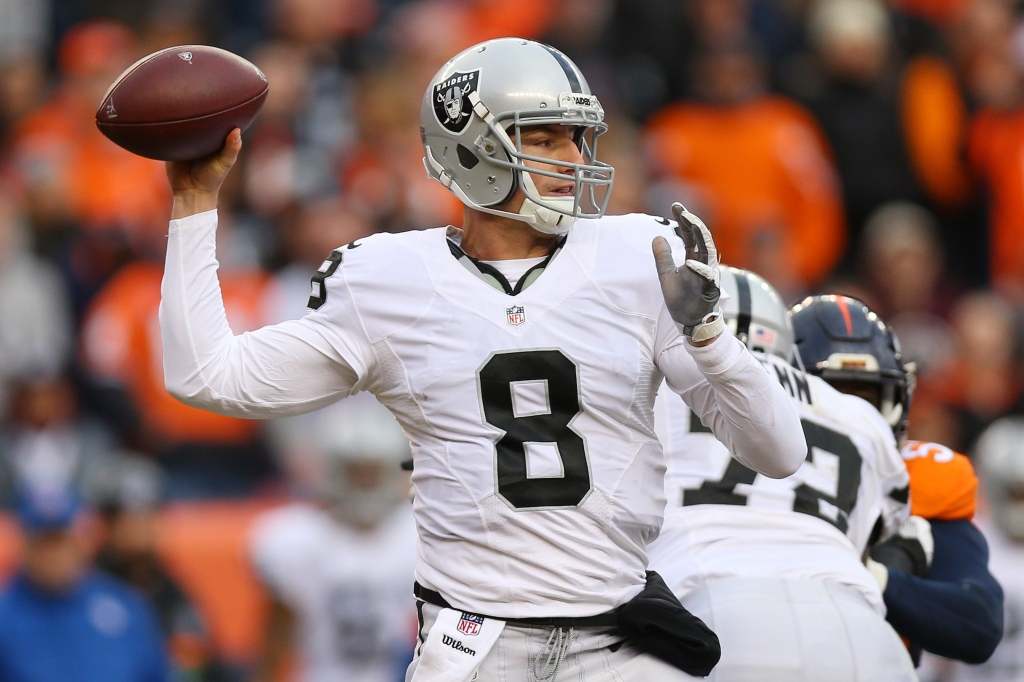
(180, 103)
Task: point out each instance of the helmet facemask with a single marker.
(501, 147)
(892, 391)
(592, 179)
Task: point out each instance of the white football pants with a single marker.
(591, 657)
(786, 630)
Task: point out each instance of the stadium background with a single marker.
(842, 145)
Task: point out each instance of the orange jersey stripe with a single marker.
(943, 484)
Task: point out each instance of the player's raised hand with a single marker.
(196, 184)
(691, 290)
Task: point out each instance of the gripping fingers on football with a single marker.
(205, 175)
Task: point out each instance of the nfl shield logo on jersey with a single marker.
(470, 624)
(515, 315)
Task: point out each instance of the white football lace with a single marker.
(556, 649)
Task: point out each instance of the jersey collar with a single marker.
(492, 275)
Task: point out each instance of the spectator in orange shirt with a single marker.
(996, 148)
(65, 159)
(205, 454)
(757, 167)
(897, 129)
(997, 141)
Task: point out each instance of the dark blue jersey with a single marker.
(957, 611)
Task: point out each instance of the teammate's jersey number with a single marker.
(832, 454)
(560, 378)
(356, 622)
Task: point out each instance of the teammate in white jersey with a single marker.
(538, 476)
(775, 566)
(338, 567)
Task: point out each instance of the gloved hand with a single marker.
(692, 290)
(910, 550)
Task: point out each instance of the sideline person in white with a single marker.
(538, 477)
(774, 567)
(338, 564)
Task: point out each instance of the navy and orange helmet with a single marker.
(848, 345)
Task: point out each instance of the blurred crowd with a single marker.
(859, 146)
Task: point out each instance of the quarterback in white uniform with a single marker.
(775, 566)
(538, 476)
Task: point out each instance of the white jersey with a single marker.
(725, 520)
(350, 590)
(538, 476)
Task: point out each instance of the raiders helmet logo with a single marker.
(451, 100)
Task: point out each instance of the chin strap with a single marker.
(542, 218)
(892, 412)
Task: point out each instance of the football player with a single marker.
(938, 564)
(338, 570)
(521, 354)
(1000, 457)
(774, 567)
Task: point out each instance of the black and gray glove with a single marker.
(691, 290)
(910, 551)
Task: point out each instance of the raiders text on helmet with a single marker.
(472, 115)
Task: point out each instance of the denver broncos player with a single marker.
(775, 566)
(934, 575)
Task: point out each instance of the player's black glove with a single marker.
(909, 551)
(692, 290)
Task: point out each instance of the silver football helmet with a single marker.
(1000, 457)
(364, 447)
(470, 123)
(756, 314)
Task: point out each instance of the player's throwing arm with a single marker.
(287, 369)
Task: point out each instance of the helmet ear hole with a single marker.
(467, 159)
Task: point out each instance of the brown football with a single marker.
(180, 103)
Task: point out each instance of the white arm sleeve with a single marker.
(735, 397)
(892, 471)
(281, 370)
